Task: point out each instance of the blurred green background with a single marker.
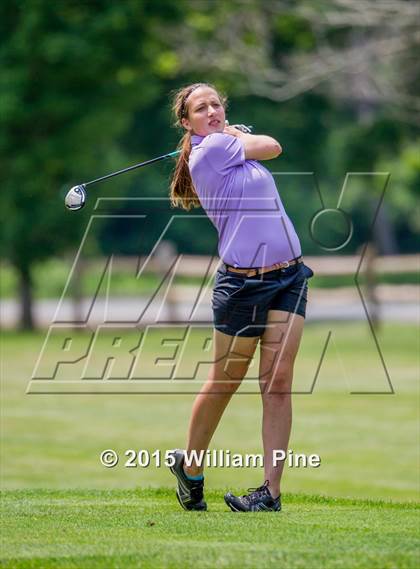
(86, 89)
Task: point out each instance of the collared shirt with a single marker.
(241, 199)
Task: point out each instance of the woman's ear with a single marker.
(186, 124)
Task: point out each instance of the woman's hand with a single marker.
(233, 131)
(257, 146)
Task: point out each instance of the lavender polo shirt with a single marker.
(241, 199)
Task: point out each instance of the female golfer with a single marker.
(260, 291)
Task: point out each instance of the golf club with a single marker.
(76, 196)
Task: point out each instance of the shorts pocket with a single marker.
(234, 286)
(228, 285)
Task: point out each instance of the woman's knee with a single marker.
(229, 369)
(279, 381)
(276, 398)
(223, 387)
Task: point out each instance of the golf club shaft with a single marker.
(169, 155)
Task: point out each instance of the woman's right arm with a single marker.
(257, 146)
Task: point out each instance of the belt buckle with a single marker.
(287, 264)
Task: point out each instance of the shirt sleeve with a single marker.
(223, 152)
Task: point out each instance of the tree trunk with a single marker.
(384, 231)
(25, 296)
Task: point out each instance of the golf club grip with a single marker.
(130, 168)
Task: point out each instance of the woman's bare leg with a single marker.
(232, 356)
(279, 346)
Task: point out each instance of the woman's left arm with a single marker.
(257, 146)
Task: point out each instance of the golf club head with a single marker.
(76, 197)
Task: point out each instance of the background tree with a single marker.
(360, 57)
(85, 90)
(71, 76)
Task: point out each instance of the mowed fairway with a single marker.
(145, 528)
(62, 508)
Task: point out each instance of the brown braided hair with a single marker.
(182, 191)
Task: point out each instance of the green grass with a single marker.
(368, 443)
(50, 278)
(146, 528)
(356, 510)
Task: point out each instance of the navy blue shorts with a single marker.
(241, 304)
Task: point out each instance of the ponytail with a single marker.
(183, 193)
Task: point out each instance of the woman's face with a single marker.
(205, 112)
